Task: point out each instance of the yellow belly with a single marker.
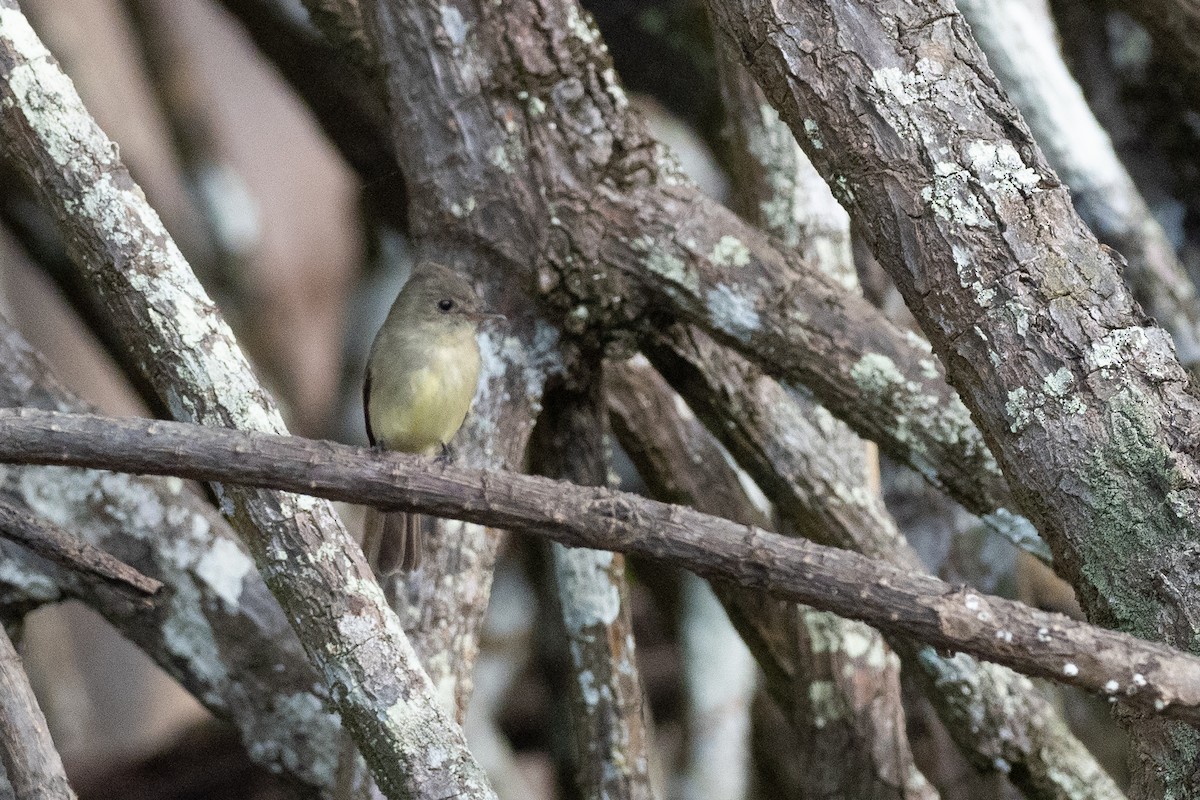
(417, 409)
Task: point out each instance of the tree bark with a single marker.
(1144, 676)
(31, 763)
(836, 682)
(311, 564)
(520, 150)
(219, 632)
(1079, 396)
(1021, 44)
(611, 745)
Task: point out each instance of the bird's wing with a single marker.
(367, 405)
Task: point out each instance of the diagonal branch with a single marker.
(516, 138)
(1144, 676)
(1079, 395)
(302, 550)
(218, 632)
(1021, 44)
(812, 467)
(49, 541)
(834, 680)
(32, 765)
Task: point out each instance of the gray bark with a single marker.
(302, 550)
(31, 763)
(1080, 397)
(1144, 676)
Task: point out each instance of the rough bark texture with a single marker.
(218, 632)
(31, 763)
(835, 680)
(1081, 399)
(814, 469)
(300, 547)
(1144, 676)
(777, 189)
(1021, 44)
(51, 542)
(819, 487)
(611, 747)
(518, 145)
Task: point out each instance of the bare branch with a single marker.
(797, 457)
(304, 553)
(31, 763)
(1145, 676)
(519, 141)
(219, 631)
(1021, 45)
(814, 470)
(611, 747)
(851, 726)
(1080, 397)
(71, 552)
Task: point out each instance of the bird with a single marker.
(419, 385)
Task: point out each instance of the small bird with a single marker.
(420, 383)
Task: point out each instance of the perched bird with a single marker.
(419, 385)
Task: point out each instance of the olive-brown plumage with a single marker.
(420, 382)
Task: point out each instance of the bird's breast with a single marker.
(419, 400)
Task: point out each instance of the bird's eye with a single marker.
(445, 305)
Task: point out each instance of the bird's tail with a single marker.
(392, 541)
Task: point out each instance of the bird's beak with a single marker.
(483, 316)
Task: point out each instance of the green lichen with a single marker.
(1135, 490)
(730, 252)
(919, 418)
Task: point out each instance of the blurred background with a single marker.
(270, 218)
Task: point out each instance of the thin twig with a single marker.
(71, 552)
(1144, 676)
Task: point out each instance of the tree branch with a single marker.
(1021, 44)
(217, 631)
(611, 747)
(835, 681)
(49, 541)
(519, 141)
(815, 472)
(31, 763)
(301, 548)
(1145, 676)
(1080, 398)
